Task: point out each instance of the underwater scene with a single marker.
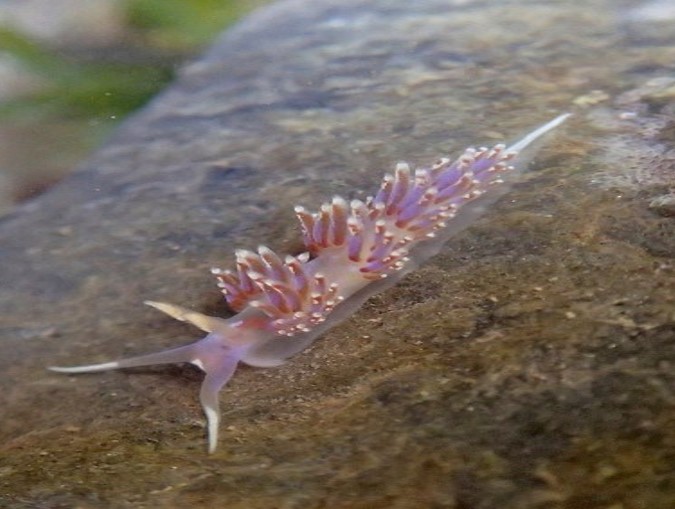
(394, 254)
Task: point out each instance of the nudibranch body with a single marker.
(354, 250)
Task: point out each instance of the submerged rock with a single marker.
(529, 365)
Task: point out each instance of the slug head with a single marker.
(214, 354)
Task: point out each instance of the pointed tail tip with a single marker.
(558, 120)
(540, 131)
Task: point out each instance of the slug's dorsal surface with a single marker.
(354, 250)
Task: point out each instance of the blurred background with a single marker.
(71, 70)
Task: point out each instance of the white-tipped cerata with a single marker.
(353, 251)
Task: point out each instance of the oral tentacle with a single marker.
(187, 353)
(217, 375)
(199, 320)
(172, 356)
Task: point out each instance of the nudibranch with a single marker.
(354, 250)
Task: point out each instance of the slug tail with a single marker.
(533, 136)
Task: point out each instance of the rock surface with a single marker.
(530, 365)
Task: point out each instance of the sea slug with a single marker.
(354, 250)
